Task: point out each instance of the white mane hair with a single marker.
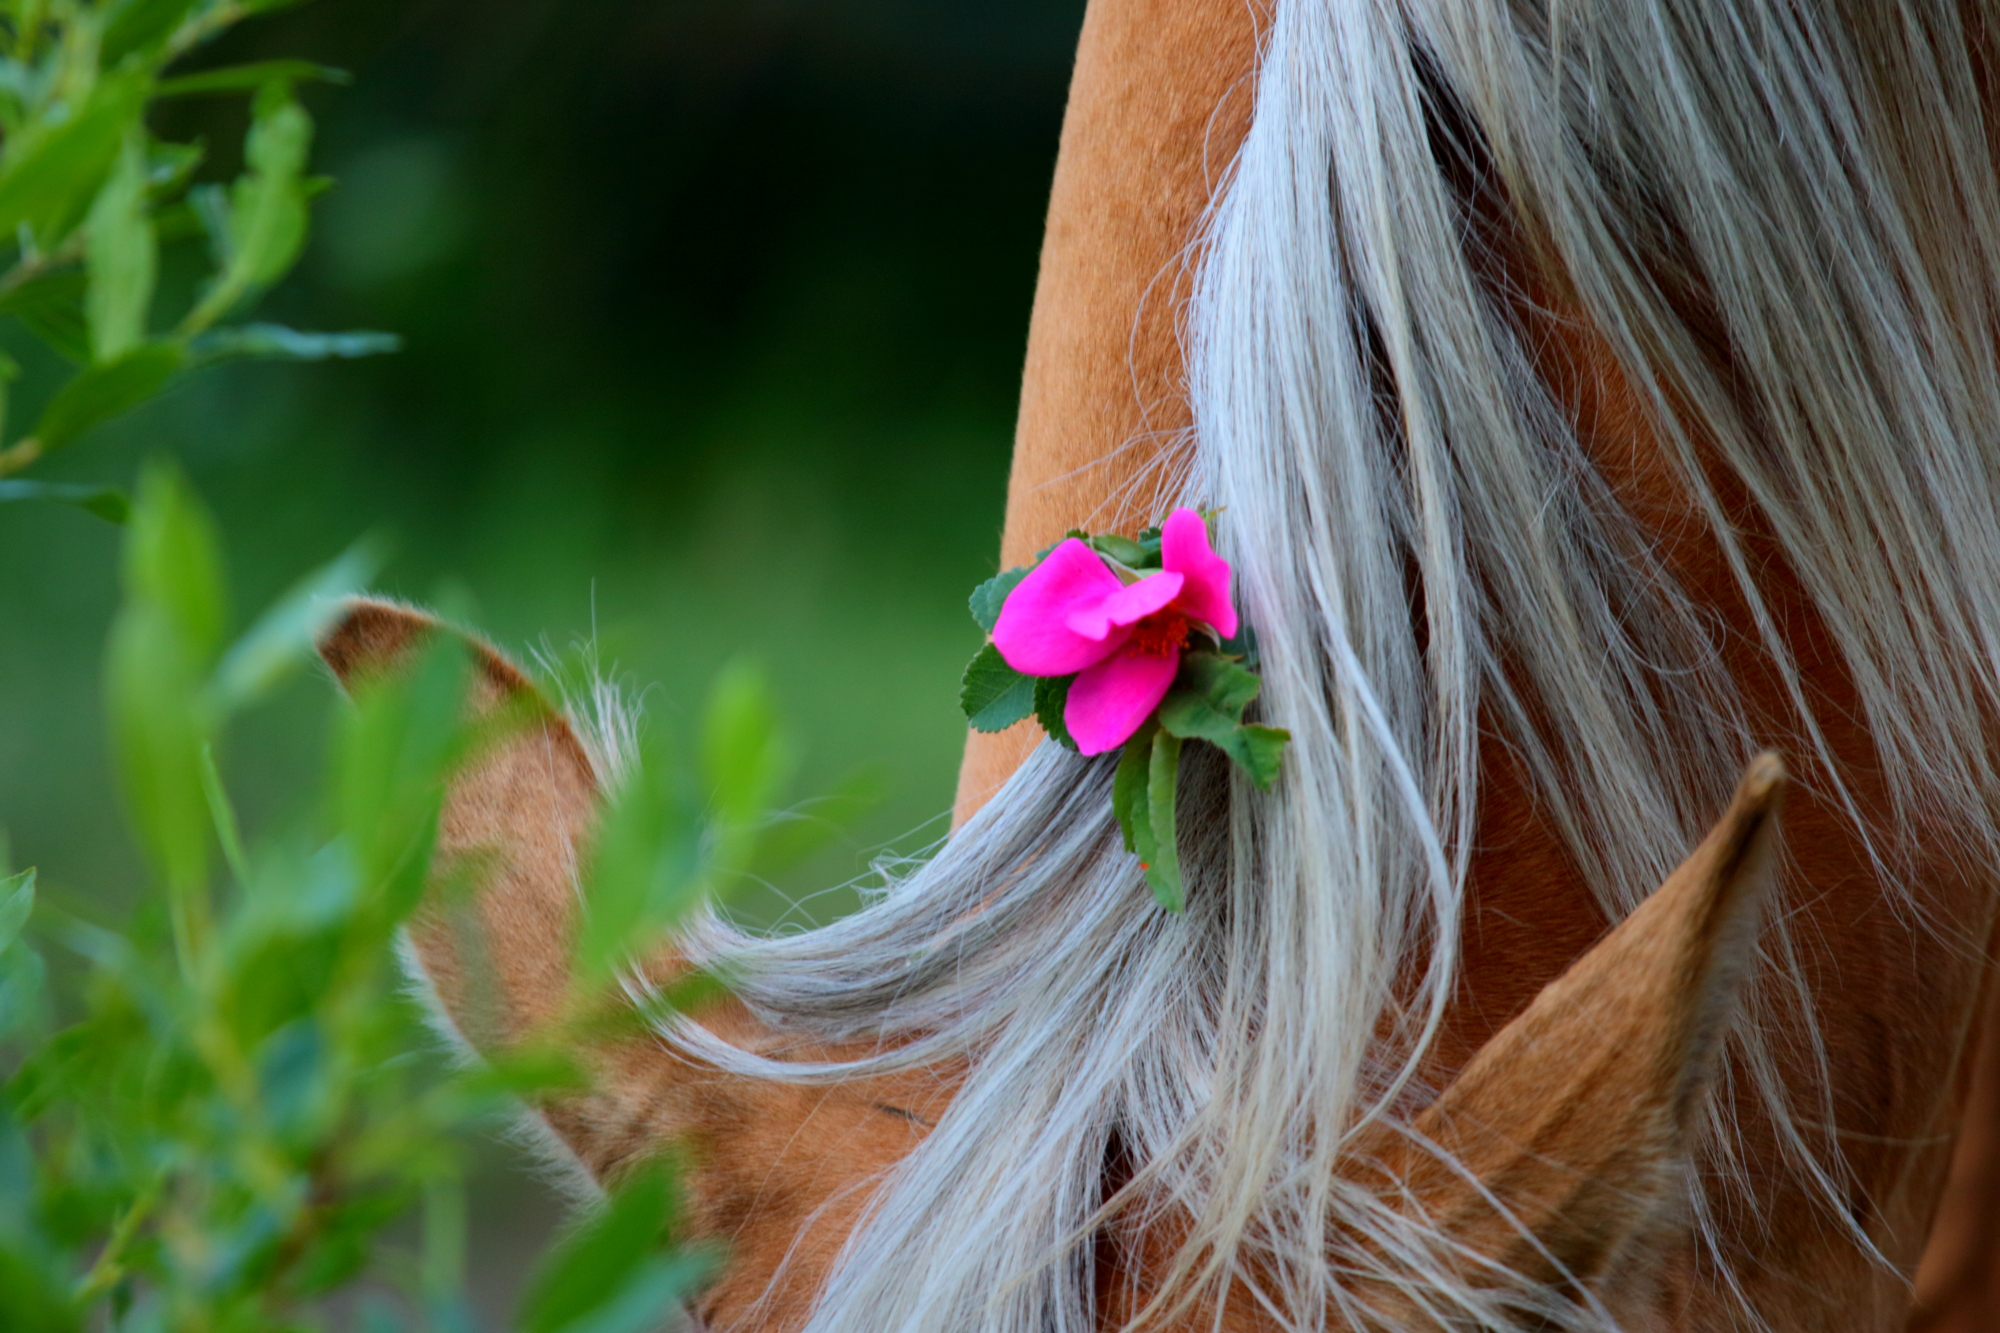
(1424, 547)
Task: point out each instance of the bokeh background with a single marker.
(714, 313)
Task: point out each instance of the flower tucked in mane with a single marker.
(1112, 641)
(1123, 641)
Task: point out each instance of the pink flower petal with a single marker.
(1033, 632)
(1184, 549)
(1129, 605)
(1109, 700)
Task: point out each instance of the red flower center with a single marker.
(1161, 634)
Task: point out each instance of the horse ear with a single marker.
(515, 818)
(1568, 1133)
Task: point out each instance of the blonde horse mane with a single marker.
(1779, 222)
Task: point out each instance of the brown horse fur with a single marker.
(1571, 1124)
(1570, 1068)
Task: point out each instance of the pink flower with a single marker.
(1073, 615)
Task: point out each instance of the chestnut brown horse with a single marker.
(1575, 1138)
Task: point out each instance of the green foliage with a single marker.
(88, 195)
(225, 1122)
(993, 694)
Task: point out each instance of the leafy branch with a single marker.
(89, 195)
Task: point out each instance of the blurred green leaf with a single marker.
(172, 561)
(606, 1260)
(104, 391)
(122, 255)
(283, 638)
(103, 501)
(49, 173)
(643, 873)
(652, 1292)
(50, 305)
(137, 25)
(17, 901)
(161, 643)
(744, 762)
(267, 210)
(245, 78)
(275, 342)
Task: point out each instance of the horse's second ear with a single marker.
(1568, 1133)
(516, 817)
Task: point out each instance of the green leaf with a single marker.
(990, 596)
(1131, 554)
(284, 636)
(103, 501)
(49, 173)
(51, 306)
(161, 643)
(1128, 792)
(993, 694)
(1222, 684)
(644, 871)
(1260, 751)
(122, 257)
(106, 390)
(17, 900)
(1051, 696)
(172, 561)
(267, 208)
(1163, 868)
(137, 25)
(744, 761)
(1207, 703)
(641, 1303)
(245, 78)
(596, 1263)
(275, 342)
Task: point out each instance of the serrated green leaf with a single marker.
(1207, 704)
(284, 636)
(1227, 687)
(1128, 791)
(275, 342)
(992, 694)
(104, 391)
(1260, 751)
(17, 901)
(1163, 868)
(990, 596)
(122, 256)
(248, 78)
(1051, 697)
(103, 501)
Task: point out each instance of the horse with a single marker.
(1599, 405)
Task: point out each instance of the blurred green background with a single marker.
(714, 315)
